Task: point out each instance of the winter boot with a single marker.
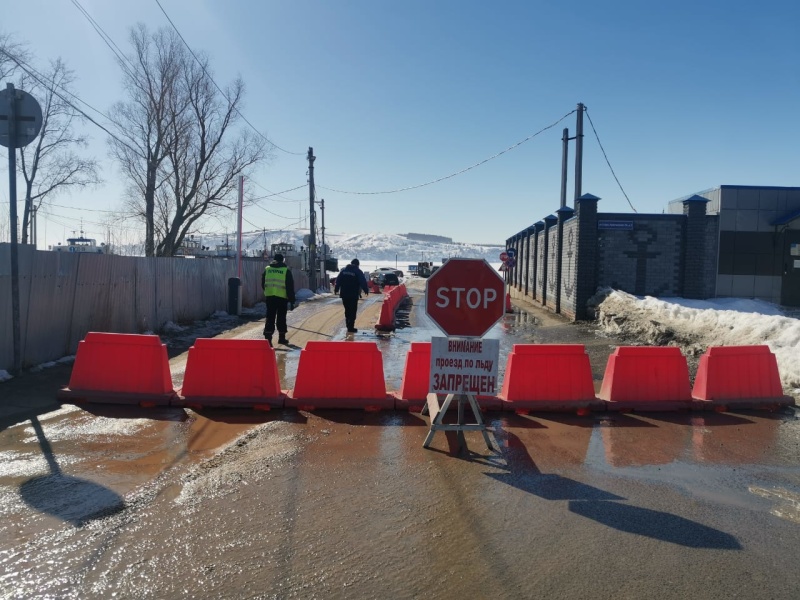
(282, 339)
(268, 337)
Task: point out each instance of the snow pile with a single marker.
(697, 324)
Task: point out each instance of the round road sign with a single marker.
(28, 117)
(465, 297)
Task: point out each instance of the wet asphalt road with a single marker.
(111, 501)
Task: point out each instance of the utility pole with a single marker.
(312, 258)
(579, 151)
(322, 270)
(34, 210)
(564, 160)
(239, 232)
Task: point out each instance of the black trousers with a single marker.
(350, 310)
(276, 315)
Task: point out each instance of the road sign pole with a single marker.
(12, 218)
(16, 107)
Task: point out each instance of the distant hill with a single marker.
(365, 246)
(427, 237)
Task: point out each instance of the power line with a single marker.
(607, 161)
(105, 37)
(41, 79)
(278, 194)
(478, 164)
(202, 66)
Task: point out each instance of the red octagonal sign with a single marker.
(465, 297)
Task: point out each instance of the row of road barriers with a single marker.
(134, 369)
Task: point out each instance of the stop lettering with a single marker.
(471, 297)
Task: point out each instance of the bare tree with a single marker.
(50, 165)
(11, 51)
(142, 123)
(178, 147)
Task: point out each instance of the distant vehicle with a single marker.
(377, 276)
(391, 279)
(424, 269)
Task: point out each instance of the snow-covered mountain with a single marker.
(369, 246)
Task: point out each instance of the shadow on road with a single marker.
(71, 499)
(604, 507)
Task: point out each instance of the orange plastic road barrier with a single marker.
(340, 375)
(120, 368)
(392, 298)
(414, 388)
(234, 373)
(646, 378)
(549, 377)
(413, 391)
(739, 377)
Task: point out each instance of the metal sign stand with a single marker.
(437, 414)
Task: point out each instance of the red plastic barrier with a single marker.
(646, 378)
(226, 372)
(373, 287)
(392, 298)
(340, 375)
(509, 308)
(413, 391)
(739, 377)
(120, 368)
(551, 377)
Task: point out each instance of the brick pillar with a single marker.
(694, 245)
(564, 213)
(527, 266)
(586, 253)
(549, 222)
(507, 273)
(537, 227)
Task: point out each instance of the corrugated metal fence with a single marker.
(63, 296)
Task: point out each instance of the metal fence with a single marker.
(63, 296)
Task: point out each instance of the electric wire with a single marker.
(202, 66)
(462, 171)
(607, 161)
(278, 194)
(40, 78)
(105, 37)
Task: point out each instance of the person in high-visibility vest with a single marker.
(278, 285)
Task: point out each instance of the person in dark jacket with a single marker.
(278, 285)
(349, 284)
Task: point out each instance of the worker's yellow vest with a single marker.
(275, 281)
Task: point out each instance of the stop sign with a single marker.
(465, 297)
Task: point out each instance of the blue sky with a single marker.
(684, 96)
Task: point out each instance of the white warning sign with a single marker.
(464, 366)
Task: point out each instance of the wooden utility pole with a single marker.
(312, 258)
